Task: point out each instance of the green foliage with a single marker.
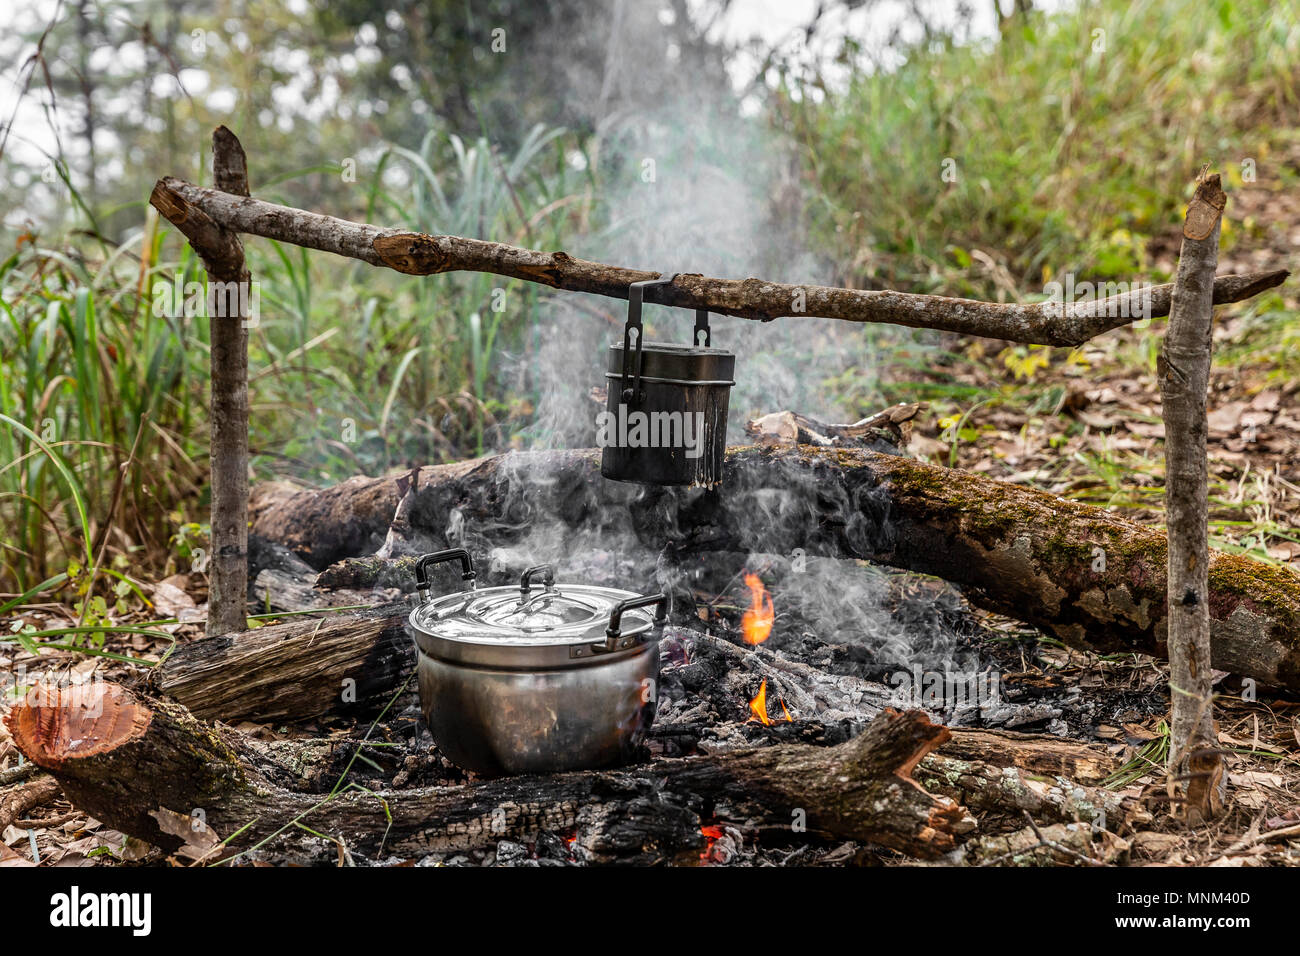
(1067, 148)
(352, 370)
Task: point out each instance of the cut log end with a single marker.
(58, 724)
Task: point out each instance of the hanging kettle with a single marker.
(665, 418)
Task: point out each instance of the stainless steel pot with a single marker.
(535, 679)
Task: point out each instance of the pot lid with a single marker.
(527, 626)
(688, 364)
(562, 614)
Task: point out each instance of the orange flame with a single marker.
(758, 707)
(757, 621)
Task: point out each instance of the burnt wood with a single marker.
(1012, 549)
(136, 763)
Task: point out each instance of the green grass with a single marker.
(1065, 157)
(1150, 758)
(352, 370)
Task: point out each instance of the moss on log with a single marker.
(1089, 577)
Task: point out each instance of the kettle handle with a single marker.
(633, 334)
(467, 572)
(612, 633)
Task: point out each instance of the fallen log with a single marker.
(142, 764)
(1086, 576)
(1061, 844)
(348, 664)
(1045, 323)
(1002, 775)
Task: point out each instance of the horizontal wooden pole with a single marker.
(1041, 323)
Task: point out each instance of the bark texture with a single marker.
(1002, 775)
(129, 760)
(413, 253)
(24, 797)
(228, 565)
(346, 665)
(228, 282)
(1184, 381)
(1015, 550)
(119, 759)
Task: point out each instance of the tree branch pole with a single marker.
(210, 219)
(413, 253)
(1184, 381)
(227, 301)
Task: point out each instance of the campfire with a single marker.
(554, 663)
(758, 705)
(873, 668)
(732, 688)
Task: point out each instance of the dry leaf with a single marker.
(200, 839)
(10, 857)
(169, 600)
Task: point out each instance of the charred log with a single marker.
(142, 765)
(1084, 575)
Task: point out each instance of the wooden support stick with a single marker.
(228, 302)
(228, 596)
(1184, 380)
(1044, 323)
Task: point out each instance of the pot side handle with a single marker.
(467, 572)
(612, 633)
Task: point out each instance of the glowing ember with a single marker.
(757, 621)
(713, 835)
(758, 707)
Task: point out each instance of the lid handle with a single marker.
(548, 580)
(612, 633)
(467, 572)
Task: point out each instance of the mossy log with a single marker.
(151, 769)
(1002, 775)
(1089, 577)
